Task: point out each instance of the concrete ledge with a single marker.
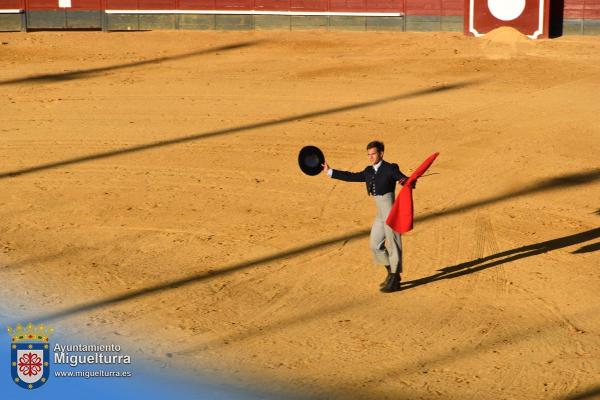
(452, 24)
(446, 27)
(591, 27)
(122, 22)
(234, 22)
(50, 19)
(148, 22)
(343, 23)
(385, 23)
(572, 27)
(157, 21)
(196, 22)
(84, 19)
(270, 22)
(11, 22)
(316, 22)
(419, 23)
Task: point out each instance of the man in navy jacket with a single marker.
(380, 178)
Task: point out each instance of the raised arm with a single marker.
(344, 175)
(349, 176)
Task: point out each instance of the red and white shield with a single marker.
(30, 365)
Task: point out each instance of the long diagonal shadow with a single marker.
(504, 257)
(562, 182)
(589, 394)
(229, 131)
(287, 322)
(70, 75)
(521, 333)
(185, 281)
(588, 249)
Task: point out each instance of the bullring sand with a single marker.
(150, 195)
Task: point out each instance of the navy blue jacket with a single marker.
(378, 183)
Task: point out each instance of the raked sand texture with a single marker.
(150, 194)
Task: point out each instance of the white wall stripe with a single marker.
(13, 11)
(255, 12)
(471, 19)
(540, 28)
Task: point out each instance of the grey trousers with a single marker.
(386, 244)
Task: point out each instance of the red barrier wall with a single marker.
(591, 9)
(121, 4)
(385, 6)
(260, 5)
(434, 7)
(53, 5)
(573, 9)
(41, 4)
(156, 4)
(12, 4)
(582, 9)
(86, 4)
(273, 5)
(240, 5)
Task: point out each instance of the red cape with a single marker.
(400, 218)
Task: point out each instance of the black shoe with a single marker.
(392, 284)
(382, 284)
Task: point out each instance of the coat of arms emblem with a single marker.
(30, 355)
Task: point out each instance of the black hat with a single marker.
(310, 160)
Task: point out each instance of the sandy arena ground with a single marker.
(150, 194)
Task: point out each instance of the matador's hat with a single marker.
(310, 160)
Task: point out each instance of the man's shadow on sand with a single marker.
(507, 256)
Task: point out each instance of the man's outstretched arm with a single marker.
(344, 175)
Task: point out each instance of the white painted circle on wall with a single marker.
(506, 10)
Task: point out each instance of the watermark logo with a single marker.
(30, 355)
